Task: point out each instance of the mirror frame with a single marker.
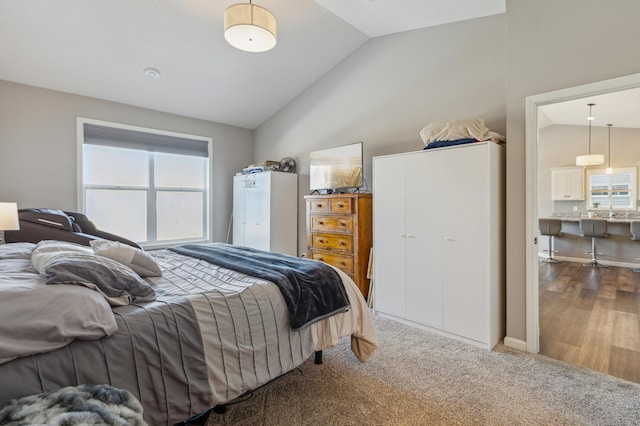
(531, 175)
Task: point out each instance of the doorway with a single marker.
(534, 119)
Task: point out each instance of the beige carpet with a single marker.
(419, 378)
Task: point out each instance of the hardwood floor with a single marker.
(589, 317)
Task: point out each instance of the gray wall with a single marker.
(388, 90)
(38, 147)
(553, 45)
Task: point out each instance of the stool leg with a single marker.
(550, 258)
(594, 261)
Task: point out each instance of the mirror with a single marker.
(556, 132)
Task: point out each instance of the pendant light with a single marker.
(609, 170)
(590, 159)
(249, 27)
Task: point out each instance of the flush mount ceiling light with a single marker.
(249, 27)
(590, 159)
(151, 72)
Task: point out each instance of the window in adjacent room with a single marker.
(616, 191)
(146, 185)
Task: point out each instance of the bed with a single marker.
(211, 334)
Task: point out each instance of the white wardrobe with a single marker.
(438, 238)
(265, 211)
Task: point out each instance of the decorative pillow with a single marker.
(16, 250)
(47, 249)
(138, 260)
(116, 282)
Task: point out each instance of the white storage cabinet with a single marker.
(265, 211)
(439, 240)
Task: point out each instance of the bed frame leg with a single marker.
(318, 357)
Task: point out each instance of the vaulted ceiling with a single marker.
(100, 48)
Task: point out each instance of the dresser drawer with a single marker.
(336, 242)
(341, 205)
(332, 223)
(319, 205)
(345, 263)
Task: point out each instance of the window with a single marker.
(152, 188)
(616, 191)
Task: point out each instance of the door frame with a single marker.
(531, 162)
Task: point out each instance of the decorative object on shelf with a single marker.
(8, 219)
(590, 159)
(609, 170)
(249, 27)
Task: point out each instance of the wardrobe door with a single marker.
(466, 237)
(257, 212)
(389, 234)
(425, 201)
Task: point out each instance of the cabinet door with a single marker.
(567, 184)
(239, 183)
(426, 200)
(465, 241)
(389, 234)
(257, 211)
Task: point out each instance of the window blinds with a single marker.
(143, 141)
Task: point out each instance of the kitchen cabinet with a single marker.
(439, 240)
(265, 211)
(567, 183)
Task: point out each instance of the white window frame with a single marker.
(633, 189)
(80, 124)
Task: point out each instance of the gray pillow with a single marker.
(116, 282)
(140, 261)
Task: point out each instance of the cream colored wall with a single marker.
(553, 45)
(388, 90)
(38, 164)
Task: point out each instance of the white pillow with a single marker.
(141, 262)
(16, 250)
(47, 249)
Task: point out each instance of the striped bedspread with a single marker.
(211, 335)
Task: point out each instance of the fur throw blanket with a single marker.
(75, 405)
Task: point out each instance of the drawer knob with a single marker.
(343, 263)
(342, 243)
(342, 224)
(340, 205)
(320, 222)
(318, 205)
(321, 259)
(320, 240)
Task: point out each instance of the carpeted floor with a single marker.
(419, 378)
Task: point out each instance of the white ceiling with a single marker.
(99, 48)
(622, 109)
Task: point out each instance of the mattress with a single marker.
(211, 335)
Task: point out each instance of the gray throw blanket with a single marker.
(75, 405)
(312, 290)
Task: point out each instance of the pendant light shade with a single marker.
(249, 27)
(590, 159)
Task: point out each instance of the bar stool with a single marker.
(551, 228)
(593, 228)
(634, 228)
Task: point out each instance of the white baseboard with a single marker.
(587, 260)
(517, 344)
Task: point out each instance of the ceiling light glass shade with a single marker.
(589, 160)
(249, 27)
(9, 217)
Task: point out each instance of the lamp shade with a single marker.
(249, 27)
(9, 217)
(589, 160)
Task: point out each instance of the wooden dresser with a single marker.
(339, 232)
